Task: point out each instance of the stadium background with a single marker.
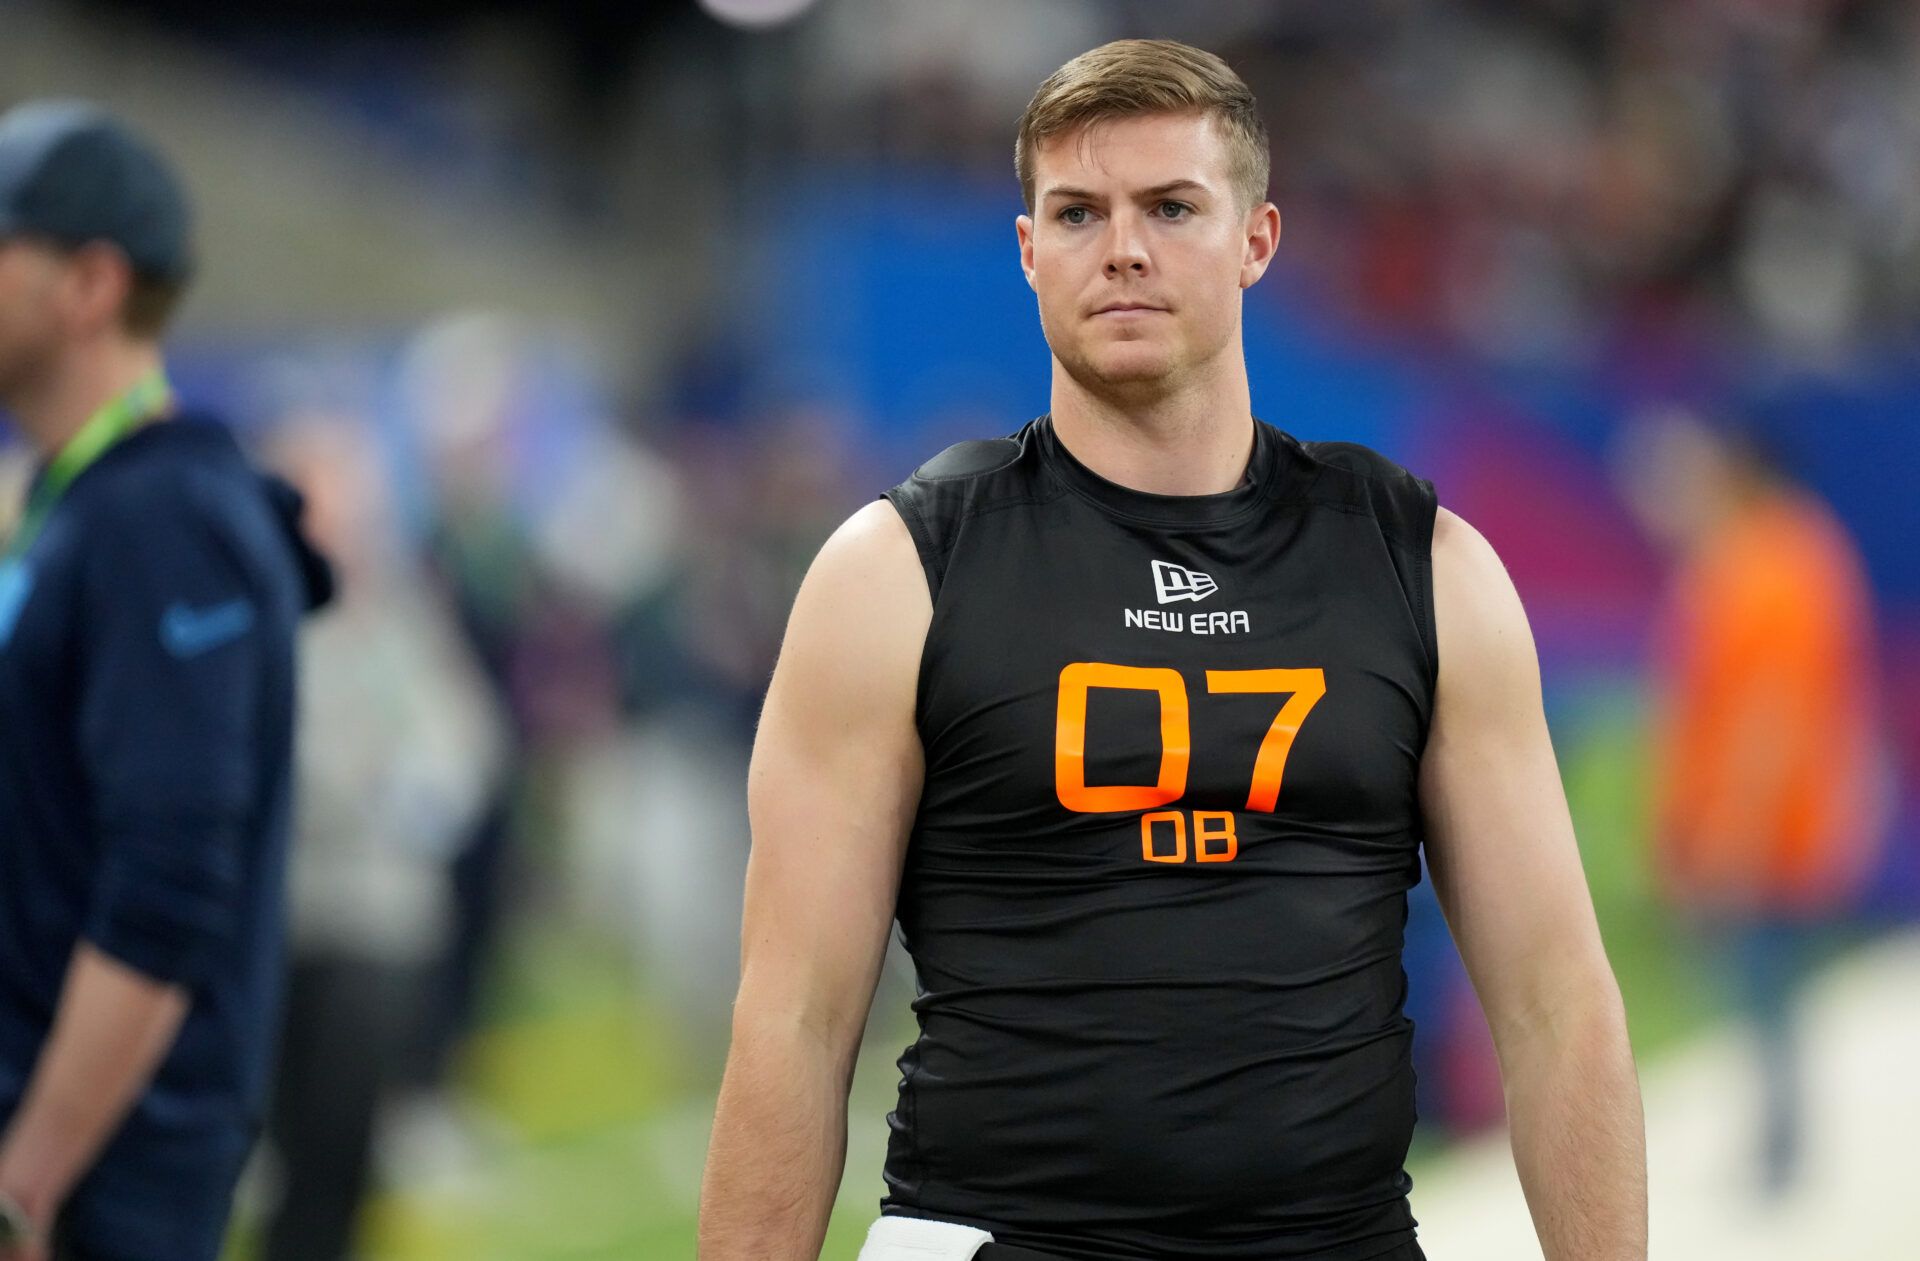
(605, 315)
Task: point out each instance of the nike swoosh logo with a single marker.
(188, 632)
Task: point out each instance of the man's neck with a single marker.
(1188, 441)
(54, 409)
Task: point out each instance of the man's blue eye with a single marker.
(1175, 209)
(1067, 214)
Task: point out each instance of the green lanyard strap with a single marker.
(119, 417)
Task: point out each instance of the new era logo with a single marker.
(1171, 582)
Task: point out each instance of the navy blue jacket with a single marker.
(146, 725)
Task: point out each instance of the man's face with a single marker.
(30, 290)
(1674, 475)
(1139, 248)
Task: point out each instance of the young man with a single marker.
(148, 599)
(1137, 721)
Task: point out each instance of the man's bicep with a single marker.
(835, 781)
(1500, 842)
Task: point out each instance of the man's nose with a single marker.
(1126, 245)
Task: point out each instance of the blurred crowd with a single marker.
(1539, 181)
(531, 703)
(1558, 181)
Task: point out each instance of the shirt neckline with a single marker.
(1156, 509)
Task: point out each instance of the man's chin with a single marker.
(1130, 366)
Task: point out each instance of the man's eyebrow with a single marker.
(1174, 186)
(1145, 194)
(1062, 190)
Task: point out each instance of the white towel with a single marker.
(919, 1239)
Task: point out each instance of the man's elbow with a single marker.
(168, 900)
(783, 1020)
(1581, 1010)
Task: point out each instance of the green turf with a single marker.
(1604, 766)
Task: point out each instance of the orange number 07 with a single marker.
(1306, 686)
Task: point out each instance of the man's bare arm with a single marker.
(834, 784)
(113, 1027)
(1501, 849)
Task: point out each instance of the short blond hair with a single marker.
(1147, 76)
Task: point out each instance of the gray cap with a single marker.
(72, 172)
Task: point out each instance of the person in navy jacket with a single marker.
(149, 595)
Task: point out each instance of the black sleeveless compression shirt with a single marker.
(1156, 888)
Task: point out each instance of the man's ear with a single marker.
(1263, 238)
(99, 281)
(1023, 228)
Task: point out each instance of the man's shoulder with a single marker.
(970, 463)
(1482, 627)
(1357, 478)
(960, 483)
(183, 488)
(187, 465)
(1355, 459)
(1460, 548)
(975, 457)
(862, 604)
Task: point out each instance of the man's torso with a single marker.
(61, 686)
(1156, 886)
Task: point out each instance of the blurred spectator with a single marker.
(1771, 800)
(463, 378)
(150, 599)
(400, 746)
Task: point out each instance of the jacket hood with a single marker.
(201, 439)
(316, 572)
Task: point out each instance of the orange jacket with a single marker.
(1768, 786)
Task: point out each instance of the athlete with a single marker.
(148, 600)
(1137, 722)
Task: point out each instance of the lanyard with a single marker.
(119, 417)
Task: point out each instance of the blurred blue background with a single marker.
(584, 324)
